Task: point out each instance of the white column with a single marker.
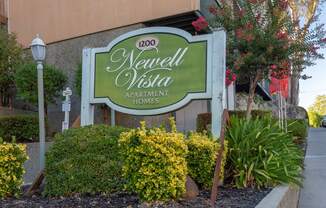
(218, 80)
(87, 109)
(231, 96)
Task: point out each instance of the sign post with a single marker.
(66, 106)
(153, 71)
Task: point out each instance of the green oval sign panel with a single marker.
(152, 71)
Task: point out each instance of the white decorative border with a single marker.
(185, 100)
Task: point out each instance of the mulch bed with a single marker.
(227, 198)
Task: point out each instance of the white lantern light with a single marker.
(38, 49)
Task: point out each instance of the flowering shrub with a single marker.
(201, 158)
(155, 165)
(12, 158)
(263, 41)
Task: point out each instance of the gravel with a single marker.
(227, 198)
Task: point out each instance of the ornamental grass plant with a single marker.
(261, 154)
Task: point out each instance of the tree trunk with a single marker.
(294, 90)
(251, 95)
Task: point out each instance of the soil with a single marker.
(227, 198)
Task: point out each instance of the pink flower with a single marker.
(253, 1)
(234, 77)
(229, 77)
(242, 12)
(200, 24)
(282, 35)
(239, 33)
(249, 37)
(273, 66)
(283, 4)
(249, 26)
(213, 10)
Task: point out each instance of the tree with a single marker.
(319, 105)
(303, 14)
(314, 118)
(10, 58)
(261, 41)
(26, 83)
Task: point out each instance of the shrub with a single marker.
(298, 128)
(314, 119)
(12, 158)
(84, 160)
(155, 165)
(201, 158)
(26, 83)
(23, 127)
(78, 79)
(261, 155)
(254, 113)
(205, 119)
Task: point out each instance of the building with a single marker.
(69, 26)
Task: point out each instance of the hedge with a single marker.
(201, 158)
(155, 162)
(23, 127)
(12, 158)
(205, 119)
(84, 160)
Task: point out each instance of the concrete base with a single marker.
(281, 197)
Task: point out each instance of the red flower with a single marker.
(200, 24)
(229, 77)
(253, 1)
(213, 10)
(234, 77)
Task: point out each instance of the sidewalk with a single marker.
(313, 193)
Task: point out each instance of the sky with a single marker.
(310, 88)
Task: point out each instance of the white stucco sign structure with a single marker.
(153, 71)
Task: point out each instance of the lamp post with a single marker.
(38, 51)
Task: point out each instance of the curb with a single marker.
(284, 196)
